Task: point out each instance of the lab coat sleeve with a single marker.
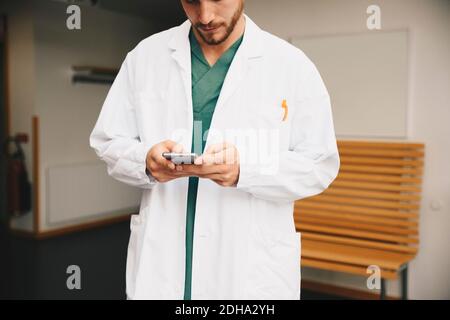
(311, 162)
(115, 137)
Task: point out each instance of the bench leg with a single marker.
(404, 276)
(383, 289)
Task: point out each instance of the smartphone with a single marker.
(180, 158)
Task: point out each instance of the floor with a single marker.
(37, 269)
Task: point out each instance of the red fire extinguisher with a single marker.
(18, 184)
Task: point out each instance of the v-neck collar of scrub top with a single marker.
(225, 59)
(207, 80)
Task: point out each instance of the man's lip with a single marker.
(208, 29)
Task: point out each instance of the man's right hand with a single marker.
(159, 167)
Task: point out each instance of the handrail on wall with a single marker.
(90, 74)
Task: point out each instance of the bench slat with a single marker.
(379, 169)
(381, 144)
(381, 161)
(346, 268)
(380, 178)
(388, 204)
(381, 153)
(357, 226)
(360, 243)
(372, 194)
(354, 255)
(356, 233)
(357, 217)
(374, 186)
(359, 210)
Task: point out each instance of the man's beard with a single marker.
(229, 29)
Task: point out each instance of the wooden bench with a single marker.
(368, 215)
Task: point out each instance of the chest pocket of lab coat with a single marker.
(270, 117)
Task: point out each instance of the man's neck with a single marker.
(212, 53)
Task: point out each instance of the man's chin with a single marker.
(213, 38)
(212, 41)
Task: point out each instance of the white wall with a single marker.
(381, 59)
(68, 112)
(41, 53)
(428, 22)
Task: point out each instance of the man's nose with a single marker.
(206, 14)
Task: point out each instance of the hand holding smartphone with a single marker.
(180, 158)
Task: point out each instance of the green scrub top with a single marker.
(207, 82)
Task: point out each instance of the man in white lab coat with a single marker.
(257, 110)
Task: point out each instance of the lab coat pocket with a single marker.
(151, 116)
(275, 267)
(134, 252)
(286, 251)
(274, 121)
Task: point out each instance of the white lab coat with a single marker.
(245, 243)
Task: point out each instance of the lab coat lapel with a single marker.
(249, 51)
(181, 53)
(235, 76)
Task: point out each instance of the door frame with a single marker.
(5, 96)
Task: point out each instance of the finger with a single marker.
(165, 146)
(214, 148)
(173, 147)
(203, 171)
(227, 156)
(162, 162)
(169, 145)
(170, 165)
(188, 169)
(205, 159)
(198, 161)
(182, 171)
(217, 148)
(178, 148)
(207, 171)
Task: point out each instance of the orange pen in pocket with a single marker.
(285, 107)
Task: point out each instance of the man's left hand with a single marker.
(220, 163)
